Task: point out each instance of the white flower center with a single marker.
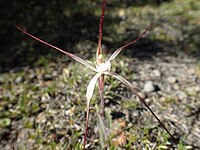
(102, 67)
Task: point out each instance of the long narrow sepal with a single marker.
(99, 50)
(78, 59)
(124, 81)
(91, 86)
(135, 91)
(130, 43)
(89, 93)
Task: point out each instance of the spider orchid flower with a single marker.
(101, 68)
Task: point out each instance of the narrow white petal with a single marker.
(91, 86)
(124, 81)
(115, 54)
(82, 61)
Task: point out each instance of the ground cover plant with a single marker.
(42, 103)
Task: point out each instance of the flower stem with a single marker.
(86, 126)
(101, 88)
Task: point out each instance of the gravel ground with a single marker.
(172, 85)
(169, 81)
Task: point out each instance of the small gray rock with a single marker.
(149, 87)
(171, 79)
(142, 95)
(191, 71)
(45, 97)
(176, 86)
(156, 73)
(18, 79)
(54, 73)
(181, 95)
(192, 90)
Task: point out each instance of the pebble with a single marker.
(165, 87)
(176, 86)
(156, 73)
(47, 77)
(181, 95)
(171, 79)
(54, 73)
(191, 71)
(70, 111)
(18, 79)
(32, 76)
(41, 118)
(149, 87)
(77, 127)
(192, 90)
(142, 95)
(45, 97)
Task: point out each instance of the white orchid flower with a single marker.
(101, 68)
